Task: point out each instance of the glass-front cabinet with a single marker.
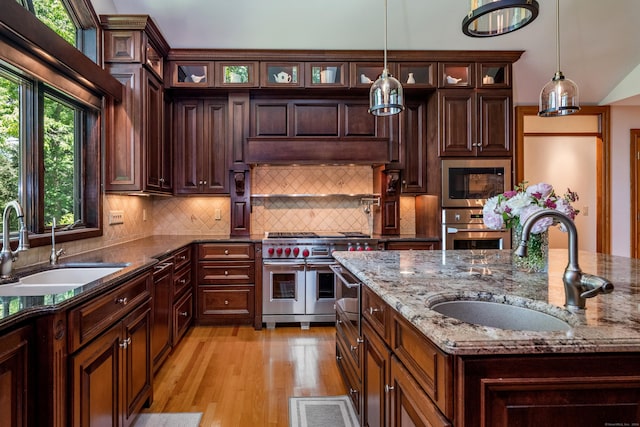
(194, 74)
(456, 74)
(237, 74)
(281, 74)
(417, 74)
(363, 74)
(494, 75)
(326, 74)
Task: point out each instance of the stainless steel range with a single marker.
(298, 284)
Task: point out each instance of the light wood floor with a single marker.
(239, 377)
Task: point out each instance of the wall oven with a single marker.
(465, 229)
(470, 182)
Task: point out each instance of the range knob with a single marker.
(367, 247)
(305, 253)
(287, 251)
(270, 251)
(279, 251)
(351, 248)
(296, 251)
(359, 248)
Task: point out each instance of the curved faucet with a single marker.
(578, 286)
(7, 256)
(55, 254)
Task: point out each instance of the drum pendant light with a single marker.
(386, 96)
(488, 18)
(559, 97)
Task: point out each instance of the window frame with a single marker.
(41, 56)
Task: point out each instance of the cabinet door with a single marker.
(14, 375)
(413, 138)
(136, 362)
(214, 156)
(375, 379)
(410, 405)
(494, 133)
(156, 179)
(96, 381)
(187, 139)
(457, 122)
(162, 298)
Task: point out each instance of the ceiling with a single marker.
(599, 45)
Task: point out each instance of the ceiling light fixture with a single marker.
(559, 97)
(386, 96)
(488, 18)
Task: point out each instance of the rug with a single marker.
(178, 419)
(326, 411)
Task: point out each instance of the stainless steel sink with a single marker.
(500, 315)
(56, 281)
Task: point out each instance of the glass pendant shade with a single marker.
(386, 96)
(559, 97)
(488, 18)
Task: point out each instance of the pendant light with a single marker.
(559, 97)
(386, 96)
(488, 18)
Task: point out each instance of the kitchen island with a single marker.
(478, 375)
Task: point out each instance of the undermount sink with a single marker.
(56, 281)
(499, 315)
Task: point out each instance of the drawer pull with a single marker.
(226, 251)
(359, 340)
(182, 281)
(374, 310)
(122, 301)
(353, 391)
(388, 388)
(226, 302)
(353, 348)
(338, 322)
(338, 358)
(125, 343)
(183, 257)
(226, 273)
(184, 313)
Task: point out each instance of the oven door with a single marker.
(476, 238)
(283, 287)
(321, 287)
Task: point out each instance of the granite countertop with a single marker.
(138, 255)
(411, 281)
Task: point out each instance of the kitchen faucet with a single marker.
(577, 285)
(55, 254)
(7, 256)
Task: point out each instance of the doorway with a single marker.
(635, 188)
(596, 137)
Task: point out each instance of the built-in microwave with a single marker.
(470, 182)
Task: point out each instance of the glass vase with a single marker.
(537, 259)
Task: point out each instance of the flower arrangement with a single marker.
(512, 208)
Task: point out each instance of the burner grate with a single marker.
(290, 234)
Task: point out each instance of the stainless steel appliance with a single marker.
(298, 283)
(464, 229)
(469, 182)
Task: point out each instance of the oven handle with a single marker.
(453, 230)
(292, 265)
(339, 272)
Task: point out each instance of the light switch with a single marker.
(116, 217)
(218, 214)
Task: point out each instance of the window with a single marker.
(46, 167)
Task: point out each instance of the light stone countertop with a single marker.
(412, 281)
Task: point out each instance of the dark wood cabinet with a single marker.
(110, 362)
(375, 379)
(474, 122)
(200, 146)
(111, 376)
(16, 367)
(226, 283)
(413, 140)
(162, 303)
(138, 152)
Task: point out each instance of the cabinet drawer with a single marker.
(349, 339)
(430, 367)
(182, 258)
(181, 281)
(225, 251)
(182, 316)
(376, 311)
(350, 379)
(225, 304)
(90, 319)
(227, 273)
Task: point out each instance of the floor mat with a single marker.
(326, 411)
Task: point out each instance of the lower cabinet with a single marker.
(111, 375)
(162, 303)
(15, 387)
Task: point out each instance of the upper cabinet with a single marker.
(138, 153)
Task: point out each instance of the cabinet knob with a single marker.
(183, 257)
(161, 180)
(226, 302)
(226, 251)
(226, 273)
(200, 182)
(338, 322)
(338, 358)
(353, 391)
(388, 388)
(204, 182)
(183, 281)
(374, 310)
(123, 301)
(125, 343)
(353, 348)
(184, 314)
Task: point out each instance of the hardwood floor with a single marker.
(239, 377)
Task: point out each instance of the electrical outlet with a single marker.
(144, 214)
(116, 217)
